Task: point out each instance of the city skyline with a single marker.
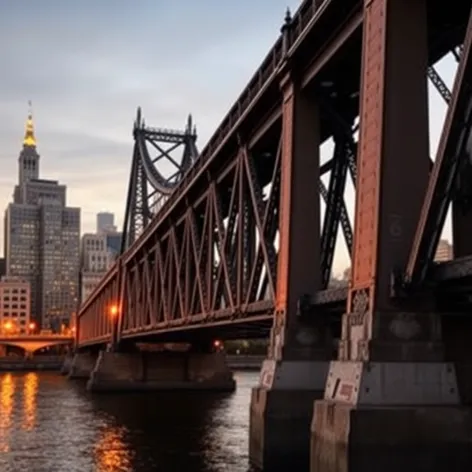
(42, 235)
(85, 100)
(86, 86)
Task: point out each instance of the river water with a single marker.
(50, 424)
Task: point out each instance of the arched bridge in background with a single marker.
(34, 342)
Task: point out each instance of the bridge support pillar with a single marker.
(82, 365)
(391, 416)
(66, 366)
(391, 401)
(281, 412)
(294, 374)
(146, 371)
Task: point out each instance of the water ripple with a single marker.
(49, 424)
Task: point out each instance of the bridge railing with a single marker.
(93, 319)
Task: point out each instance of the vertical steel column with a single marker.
(393, 167)
(295, 372)
(298, 270)
(117, 320)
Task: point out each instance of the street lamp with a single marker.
(8, 326)
(31, 327)
(113, 311)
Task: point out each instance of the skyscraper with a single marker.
(105, 223)
(98, 253)
(42, 237)
(96, 259)
(444, 251)
(106, 226)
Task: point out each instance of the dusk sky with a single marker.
(87, 65)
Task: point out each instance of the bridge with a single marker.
(30, 343)
(232, 245)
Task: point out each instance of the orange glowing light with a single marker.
(32, 326)
(8, 325)
(217, 343)
(114, 311)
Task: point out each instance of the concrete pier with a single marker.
(82, 365)
(391, 416)
(145, 371)
(281, 412)
(67, 364)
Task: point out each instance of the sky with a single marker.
(87, 65)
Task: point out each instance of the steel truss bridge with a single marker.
(232, 245)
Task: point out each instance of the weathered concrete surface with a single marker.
(281, 412)
(82, 365)
(391, 416)
(116, 371)
(245, 362)
(407, 439)
(67, 364)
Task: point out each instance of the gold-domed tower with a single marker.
(29, 157)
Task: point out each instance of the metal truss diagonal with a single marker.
(335, 210)
(454, 147)
(344, 218)
(341, 127)
(439, 83)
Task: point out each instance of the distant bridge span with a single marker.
(35, 342)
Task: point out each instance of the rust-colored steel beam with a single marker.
(267, 123)
(337, 39)
(388, 200)
(299, 265)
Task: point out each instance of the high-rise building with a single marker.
(95, 259)
(114, 243)
(14, 305)
(106, 223)
(106, 226)
(42, 237)
(443, 251)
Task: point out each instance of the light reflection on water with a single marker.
(49, 424)
(30, 392)
(111, 452)
(7, 398)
